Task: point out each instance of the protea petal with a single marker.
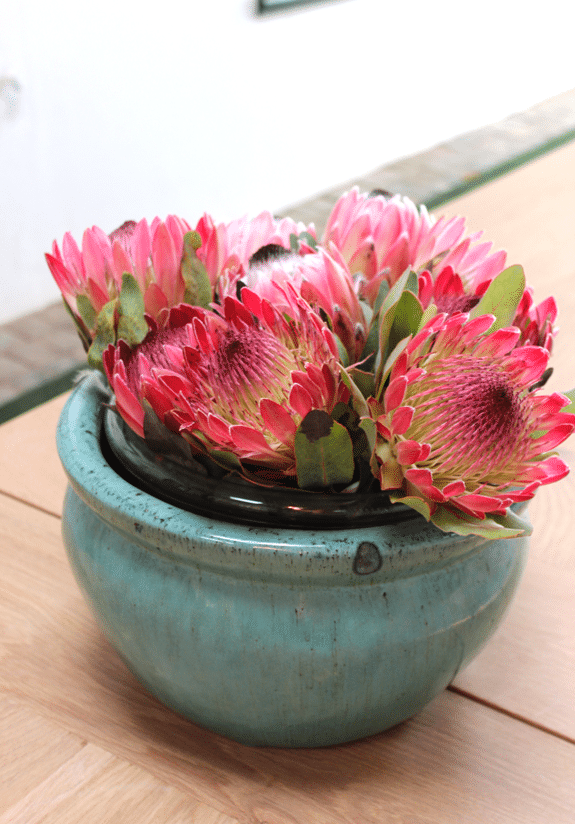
(243, 381)
(477, 437)
(96, 271)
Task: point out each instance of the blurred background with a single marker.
(122, 110)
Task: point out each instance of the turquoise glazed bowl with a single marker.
(269, 634)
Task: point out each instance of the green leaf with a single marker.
(308, 239)
(392, 357)
(571, 396)
(105, 334)
(323, 452)
(502, 297)
(198, 289)
(429, 313)
(132, 326)
(387, 317)
(194, 239)
(381, 295)
(408, 314)
(372, 340)
(368, 426)
(491, 527)
(357, 398)
(363, 380)
(342, 351)
(86, 311)
(412, 501)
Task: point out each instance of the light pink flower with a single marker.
(459, 425)
(239, 382)
(381, 237)
(324, 281)
(151, 253)
(227, 248)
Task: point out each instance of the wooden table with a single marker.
(81, 741)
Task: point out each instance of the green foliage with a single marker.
(86, 311)
(491, 527)
(198, 289)
(571, 396)
(105, 334)
(323, 452)
(296, 241)
(502, 297)
(132, 326)
(399, 317)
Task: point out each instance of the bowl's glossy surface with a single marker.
(275, 635)
(236, 500)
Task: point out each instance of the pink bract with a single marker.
(325, 282)
(381, 237)
(460, 425)
(151, 253)
(227, 247)
(448, 294)
(239, 382)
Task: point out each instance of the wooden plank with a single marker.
(94, 787)
(527, 667)
(29, 466)
(455, 762)
(31, 749)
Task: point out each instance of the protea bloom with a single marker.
(381, 237)
(227, 248)
(447, 292)
(238, 383)
(324, 281)
(92, 277)
(459, 426)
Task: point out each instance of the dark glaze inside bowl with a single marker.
(233, 499)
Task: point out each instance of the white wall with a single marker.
(132, 108)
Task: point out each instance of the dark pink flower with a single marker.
(240, 382)
(459, 425)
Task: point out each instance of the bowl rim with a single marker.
(406, 546)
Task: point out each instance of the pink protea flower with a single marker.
(459, 426)
(89, 278)
(381, 237)
(227, 248)
(240, 382)
(536, 323)
(448, 294)
(324, 281)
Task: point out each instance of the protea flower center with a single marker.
(455, 303)
(248, 364)
(474, 417)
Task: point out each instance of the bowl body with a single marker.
(275, 635)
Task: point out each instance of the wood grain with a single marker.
(455, 762)
(95, 787)
(31, 749)
(29, 465)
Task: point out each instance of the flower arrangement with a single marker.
(398, 355)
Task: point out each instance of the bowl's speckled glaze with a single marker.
(275, 635)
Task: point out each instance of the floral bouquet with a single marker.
(397, 355)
